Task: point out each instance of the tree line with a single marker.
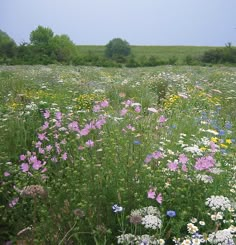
(47, 48)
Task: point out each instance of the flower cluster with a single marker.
(218, 203)
(143, 239)
(223, 237)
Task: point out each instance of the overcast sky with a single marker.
(140, 22)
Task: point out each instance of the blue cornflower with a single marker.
(117, 208)
(137, 142)
(171, 213)
(221, 132)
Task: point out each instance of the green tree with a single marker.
(7, 46)
(41, 36)
(63, 49)
(117, 49)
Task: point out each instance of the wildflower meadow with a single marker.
(107, 156)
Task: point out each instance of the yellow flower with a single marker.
(228, 141)
(203, 148)
(223, 146)
(214, 139)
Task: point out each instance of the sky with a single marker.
(140, 22)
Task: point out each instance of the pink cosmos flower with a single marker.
(6, 174)
(104, 103)
(89, 143)
(159, 198)
(151, 194)
(58, 115)
(45, 125)
(173, 166)
(96, 108)
(42, 136)
(64, 156)
(46, 114)
(123, 112)
(183, 159)
(204, 163)
(24, 167)
(157, 155)
(84, 131)
(37, 165)
(162, 119)
(22, 157)
(138, 109)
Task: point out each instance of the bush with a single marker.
(117, 49)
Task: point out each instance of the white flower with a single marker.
(223, 237)
(202, 223)
(192, 228)
(151, 221)
(218, 203)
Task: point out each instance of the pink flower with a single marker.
(84, 131)
(46, 114)
(24, 167)
(123, 112)
(13, 202)
(157, 155)
(204, 163)
(183, 159)
(184, 168)
(151, 194)
(130, 127)
(173, 166)
(42, 136)
(137, 109)
(48, 148)
(58, 115)
(37, 165)
(64, 156)
(22, 157)
(159, 198)
(162, 119)
(6, 174)
(96, 108)
(89, 143)
(148, 158)
(45, 126)
(104, 103)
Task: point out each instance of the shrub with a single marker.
(117, 49)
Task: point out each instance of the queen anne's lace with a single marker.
(218, 203)
(223, 237)
(151, 221)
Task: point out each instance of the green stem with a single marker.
(67, 233)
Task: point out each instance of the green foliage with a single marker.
(117, 49)
(220, 55)
(63, 49)
(7, 47)
(41, 36)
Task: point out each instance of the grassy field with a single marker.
(162, 52)
(103, 156)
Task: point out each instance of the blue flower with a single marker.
(221, 132)
(117, 208)
(171, 213)
(137, 142)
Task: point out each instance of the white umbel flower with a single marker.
(218, 203)
(223, 237)
(151, 221)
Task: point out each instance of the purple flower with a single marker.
(46, 114)
(171, 213)
(151, 194)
